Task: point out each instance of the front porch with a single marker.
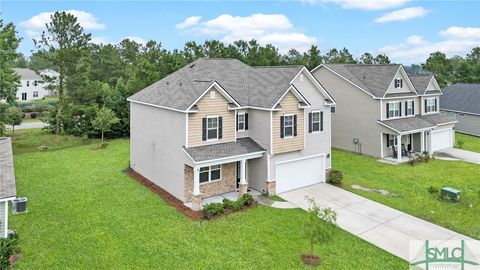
(218, 171)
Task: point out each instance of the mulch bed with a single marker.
(169, 198)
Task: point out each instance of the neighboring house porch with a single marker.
(218, 169)
(8, 190)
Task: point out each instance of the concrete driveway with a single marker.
(376, 223)
(461, 154)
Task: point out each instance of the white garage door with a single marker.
(442, 139)
(299, 173)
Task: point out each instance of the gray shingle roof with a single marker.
(27, 74)
(7, 174)
(407, 124)
(249, 86)
(420, 82)
(374, 79)
(222, 150)
(463, 97)
(418, 122)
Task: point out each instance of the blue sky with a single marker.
(405, 30)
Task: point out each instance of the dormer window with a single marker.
(28, 83)
(212, 94)
(398, 83)
(430, 105)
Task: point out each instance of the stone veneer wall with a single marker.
(227, 182)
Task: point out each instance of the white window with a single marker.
(24, 96)
(316, 122)
(431, 105)
(409, 108)
(288, 126)
(392, 140)
(35, 83)
(212, 94)
(210, 173)
(398, 83)
(393, 109)
(35, 94)
(333, 109)
(241, 122)
(212, 128)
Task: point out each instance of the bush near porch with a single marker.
(412, 185)
(470, 143)
(85, 213)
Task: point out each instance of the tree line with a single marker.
(95, 79)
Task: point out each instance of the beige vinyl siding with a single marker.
(356, 115)
(156, 139)
(289, 105)
(211, 107)
(405, 86)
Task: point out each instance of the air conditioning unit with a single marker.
(19, 205)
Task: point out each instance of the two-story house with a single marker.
(31, 84)
(384, 112)
(218, 125)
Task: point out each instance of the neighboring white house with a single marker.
(31, 85)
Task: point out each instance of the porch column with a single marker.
(399, 148)
(429, 137)
(422, 141)
(243, 182)
(197, 197)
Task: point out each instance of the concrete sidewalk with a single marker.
(28, 126)
(461, 154)
(376, 223)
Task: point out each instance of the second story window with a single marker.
(398, 83)
(409, 108)
(35, 83)
(35, 94)
(430, 105)
(212, 128)
(315, 119)
(28, 83)
(242, 121)
(394, 109)
(288, 123)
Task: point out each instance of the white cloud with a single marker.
(402, 15)
(273, 29)
(189, 22)
(459, 32)
(457, 41)
(360, 4)
(36, 24)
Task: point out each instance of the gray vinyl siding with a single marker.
(3, 218)
(257, 173)
(422, 105)
(245, 133)
(259, 127)
(315, 143)
(356, 115)
(405, 87)
(388, 152)
(416, 106)
(157, 136)
(468, 123)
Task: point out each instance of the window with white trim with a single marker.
(431, 105)
(288, 126)
(212, 127)
(409, 108)
(212, 94)
(392, 140)
(333, 109)
(210, 173)
(315, 121)
(241, 122)
(394, 109)
(398, 83)
(35, 94)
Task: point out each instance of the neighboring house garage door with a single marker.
(442, 139)
(299, 173)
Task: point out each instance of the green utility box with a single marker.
(450, 193)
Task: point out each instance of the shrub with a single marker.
(103, 145)
(426, 156)
(432, 190)
(8, 248)
(412, 160)
(335, 177)
(228, 204)
(460, 143)
(245, 200)
(33, 115)
(211, 209)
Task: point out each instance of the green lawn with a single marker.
(85, 213)
(471, 143)
(411, 184)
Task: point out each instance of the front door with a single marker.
(238, 174)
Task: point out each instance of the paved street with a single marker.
(28, 126)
